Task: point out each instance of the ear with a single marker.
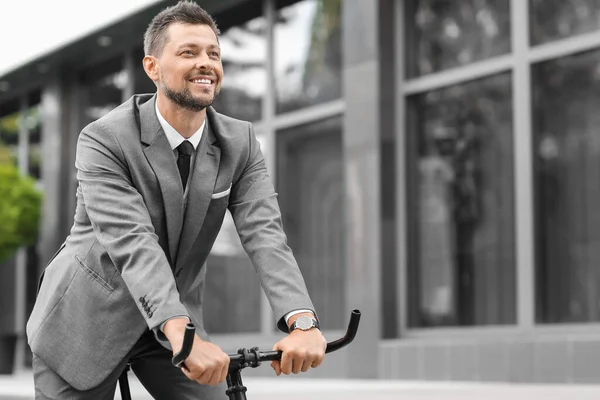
(150, 64)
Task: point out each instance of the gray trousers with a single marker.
(150, 362)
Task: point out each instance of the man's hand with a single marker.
(207, 363)
(301, 350)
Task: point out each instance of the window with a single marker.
(461, 205)
(308, 54)
(102, 89)
(567, 188)
(142, 84)
(311, 192)
(244, 57)
(448, 33)
(556, 19)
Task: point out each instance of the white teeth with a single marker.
(204, 81)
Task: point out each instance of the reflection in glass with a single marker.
(443, 34)
(461, 202)
(311, 191)
(102, 90)
(556, 19)
(308, 54)
(244, 56)
(567, 188)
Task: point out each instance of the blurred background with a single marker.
(437, 164)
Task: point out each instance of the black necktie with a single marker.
(185, 150)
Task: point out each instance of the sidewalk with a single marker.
(20, 387)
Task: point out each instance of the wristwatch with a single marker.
(304, 323)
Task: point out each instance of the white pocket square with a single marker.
(221, 194)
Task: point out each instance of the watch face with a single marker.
(304, 323)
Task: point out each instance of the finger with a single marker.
(306, 365)
(206, 378)
(286, 363)
(318, 361)
(224, 372)
(297, 364)
(187, 373)
(277, 367)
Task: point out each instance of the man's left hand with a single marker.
(301, 350)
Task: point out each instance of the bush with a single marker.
(20, 208)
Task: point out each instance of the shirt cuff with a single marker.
(292, 313)
(162, 326)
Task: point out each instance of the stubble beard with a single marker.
(185, 99)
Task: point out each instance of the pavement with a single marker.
(20, 387)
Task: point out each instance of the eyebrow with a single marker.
(195, 46)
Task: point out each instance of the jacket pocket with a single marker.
(94, 275)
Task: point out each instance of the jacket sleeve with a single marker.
(257, 218)
(123, 226)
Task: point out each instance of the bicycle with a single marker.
(244, 358)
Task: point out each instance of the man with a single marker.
(156, 176)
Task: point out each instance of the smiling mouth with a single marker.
(202, 81)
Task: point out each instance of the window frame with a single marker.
(518, 61)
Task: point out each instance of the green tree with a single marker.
(20, 207)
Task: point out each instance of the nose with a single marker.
(204, 62)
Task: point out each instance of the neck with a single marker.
(185, 122)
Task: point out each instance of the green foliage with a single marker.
(20, 207)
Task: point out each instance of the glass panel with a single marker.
(556, 19)
(461, 205)
(141, 82)
(308, 54)
(442, 34)
(311, 191)
(244, 55)
(33, 121)
(102, 90)
(232, 291)
(567, 192)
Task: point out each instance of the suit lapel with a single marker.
(202, 183)
(163, 163)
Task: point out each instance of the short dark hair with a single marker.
(187, 12)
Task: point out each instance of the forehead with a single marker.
(180, 33)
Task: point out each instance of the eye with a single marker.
(214, 54)
(188, 52)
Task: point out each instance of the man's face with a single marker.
(190, 70)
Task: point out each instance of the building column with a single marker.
(367, 117)
(56, 172)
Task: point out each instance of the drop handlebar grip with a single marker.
(186, 347)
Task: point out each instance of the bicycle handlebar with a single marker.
(253, 357)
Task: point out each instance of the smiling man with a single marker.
(156, 176)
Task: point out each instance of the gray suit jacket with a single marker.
(133, 258)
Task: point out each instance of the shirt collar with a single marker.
(174, 138)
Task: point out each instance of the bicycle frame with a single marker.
(244, 358)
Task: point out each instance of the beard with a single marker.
(185, 99)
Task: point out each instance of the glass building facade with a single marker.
(436, 163)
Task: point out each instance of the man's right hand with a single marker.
(207, 363)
